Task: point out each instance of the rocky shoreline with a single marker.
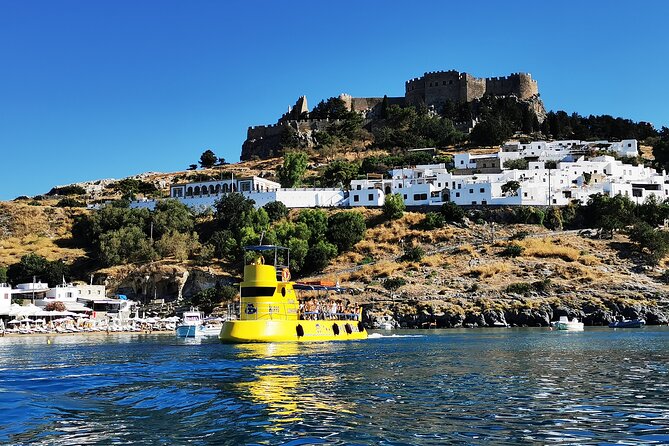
(540, 315)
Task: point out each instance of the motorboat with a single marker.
(211, 326)
(271, 311)
(628, 323)
(190, 325)
(569, 325)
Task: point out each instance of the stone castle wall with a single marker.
(437, 87)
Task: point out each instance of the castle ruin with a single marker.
(433, 89)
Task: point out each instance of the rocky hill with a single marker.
(463, 279)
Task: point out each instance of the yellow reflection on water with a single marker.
(280, 387)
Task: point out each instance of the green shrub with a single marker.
(452, 212)
(345, 229)
(523, 288)
(69, 202)
(433, 220)
(513, 250)
(67, 190)
(393, 283)
(393, 206)
(413, 253)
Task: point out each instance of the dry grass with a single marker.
(467, 249)
(489, 270)
(13, 248)
(547, 248)
(589, 260)
(374, 271)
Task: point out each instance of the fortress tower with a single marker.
(436, 87)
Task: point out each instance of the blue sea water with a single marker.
(500, 386)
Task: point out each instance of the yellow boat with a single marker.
(270, 309)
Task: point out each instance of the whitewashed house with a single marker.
(5, 299)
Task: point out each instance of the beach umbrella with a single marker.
(14, 321)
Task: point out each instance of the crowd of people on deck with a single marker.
(328, 309)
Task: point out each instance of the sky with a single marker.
(108, 89)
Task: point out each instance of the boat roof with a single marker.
(263, 247)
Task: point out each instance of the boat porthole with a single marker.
(348, 328)
(335, 329)
(283, 291)
(300, 330)
(361, 327)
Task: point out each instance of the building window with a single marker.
(356, 198)
(405, 196)
(484, 202)
(525, 194)
(450, 82)
(370, 197)
(474, 202)
(471, 191)
(457, 194)
(481, 190)
(554, 201)
(462, 162)
(358, 187)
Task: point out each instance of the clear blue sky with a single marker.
(100, 89)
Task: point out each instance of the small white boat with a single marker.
(191, 325)
(570, 325)
(195, 325)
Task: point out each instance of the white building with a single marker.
(203, 195)
(567, 149)
(5, 298)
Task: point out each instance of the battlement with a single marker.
(437, 87)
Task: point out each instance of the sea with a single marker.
(403, 387)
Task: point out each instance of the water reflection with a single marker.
(288, 391)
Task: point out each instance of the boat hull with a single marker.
(291, 331)
(627, 324)
(188, 331)
(570, 326)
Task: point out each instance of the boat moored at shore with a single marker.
(568, 325)
(628, 323)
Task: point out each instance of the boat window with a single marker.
(253, 291)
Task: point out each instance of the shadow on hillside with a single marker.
(376, 220)
(70, 243)
(627, 251)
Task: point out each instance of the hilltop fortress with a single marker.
(433, 89)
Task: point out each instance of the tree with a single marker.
(332, 108)
(208, 159)
(609, 213)
(171, 215)
(345, 229)
(221, 162)
(3, 274)
(178, 245)
(34, 265)
(661, 149)
(340, 172)
(234, 211)
(517, 164)
(491, 132)
(293, 169)
(510, 188)
(452, 212)
(225, 245)
(320, 254)
(192, 167)
(126, 245)
(208, 299)
(276, 211)
(316, 220)
(652, 243)
(393, 206)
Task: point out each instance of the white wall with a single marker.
(5, 298)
